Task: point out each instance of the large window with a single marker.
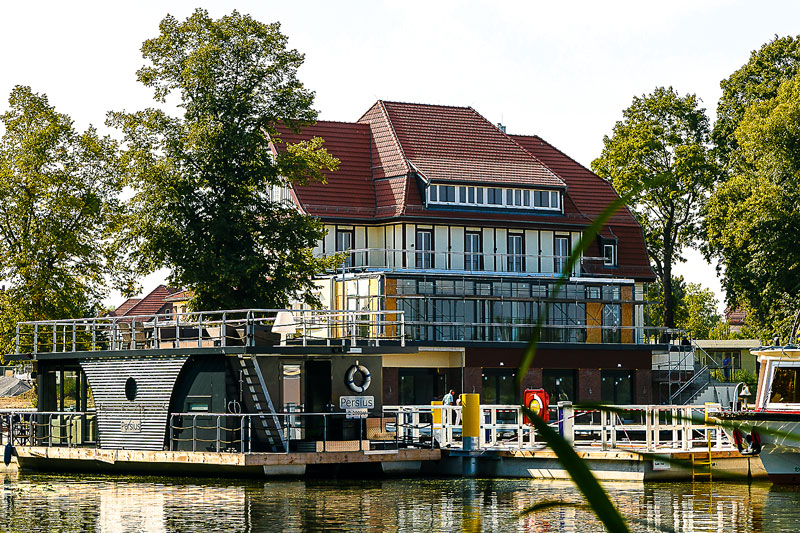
(344, 242)
(424, 248)
(568, 321)
(560, 385)
(561, 253)
(498, 387)
(418, 386)
(617, 387)
(516, 260)
(473, 253)
(785, 385)
(467, 195)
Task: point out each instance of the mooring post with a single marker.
(470, 431)
(567, 421)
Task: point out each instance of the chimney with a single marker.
(501, 127)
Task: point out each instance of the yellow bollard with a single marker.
(437, 413)
(471, 415)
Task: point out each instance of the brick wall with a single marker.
(589, 385)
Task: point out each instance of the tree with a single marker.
(59, 213)
(753, 219)
(695, 307)
(203, 205)
(659, 154)
(702, 315)
(756, 81)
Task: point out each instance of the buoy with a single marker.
(366, 379)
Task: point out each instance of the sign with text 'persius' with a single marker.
(356, 402)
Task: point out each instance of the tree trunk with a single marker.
(666, 284)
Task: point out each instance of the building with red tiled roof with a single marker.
(155, 302)
(466, 229)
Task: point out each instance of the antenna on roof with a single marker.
(501, 127)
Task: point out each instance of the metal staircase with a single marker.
(265, 421)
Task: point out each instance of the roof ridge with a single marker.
(426, 105)
(519, 146)
(394, 133)
(339, 122)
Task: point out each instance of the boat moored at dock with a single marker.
(772, 429)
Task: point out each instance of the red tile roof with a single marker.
(125, 307)
(591, 194)
(349, 190)
(179, 296)
(392, 142)
(151, 304)
(446, 143)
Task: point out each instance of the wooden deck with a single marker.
(211, 463)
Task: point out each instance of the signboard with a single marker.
(130, 426)
(660, 465)
(356, 413)
(356, 402)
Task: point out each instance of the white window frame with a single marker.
(553, 198)
(610, 261)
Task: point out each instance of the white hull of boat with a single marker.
(780, 454)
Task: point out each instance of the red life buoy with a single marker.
(538, 401)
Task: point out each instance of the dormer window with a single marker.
(610, 254)
(507, 197)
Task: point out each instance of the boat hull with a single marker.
(779, 433)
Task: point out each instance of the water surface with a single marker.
(33, 502)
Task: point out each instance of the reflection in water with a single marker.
(33, 502)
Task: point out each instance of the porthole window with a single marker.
(130, 389)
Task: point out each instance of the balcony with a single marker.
(513, 264)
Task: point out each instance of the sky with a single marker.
(561, 70)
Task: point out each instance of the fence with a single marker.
(646, 428)
(33, 428)
(245, 327)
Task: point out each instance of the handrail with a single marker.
(398, 258)
(686, 385)
(209, 329)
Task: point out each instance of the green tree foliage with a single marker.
(753, 219)
(695, 307)
(662, 143)
(59, 212)
(205, 203)
(756, 81)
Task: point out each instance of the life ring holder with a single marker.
(536, 406)
(365, 376)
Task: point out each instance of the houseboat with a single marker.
(242, 390)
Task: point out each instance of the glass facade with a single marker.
(453, 309)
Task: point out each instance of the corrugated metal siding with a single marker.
(155, 380)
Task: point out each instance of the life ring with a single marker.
(366, 379)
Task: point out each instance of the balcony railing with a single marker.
(244, 328)
(426, 260)
(523, 332)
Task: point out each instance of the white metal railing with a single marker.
(241, 327)
(644, 428)
(400, 259)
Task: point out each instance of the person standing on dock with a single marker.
(726, 367)
(448, 400)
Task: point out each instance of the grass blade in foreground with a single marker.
(579, 472)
